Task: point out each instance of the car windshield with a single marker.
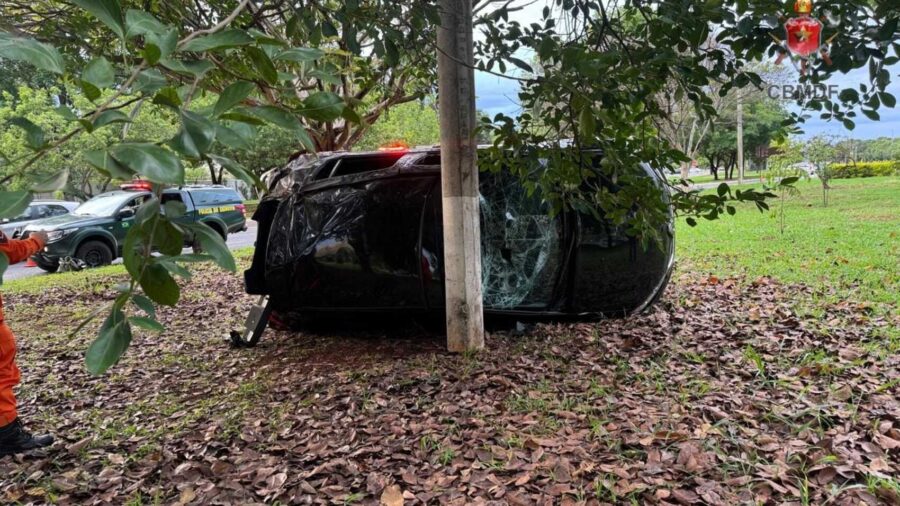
(102, 205)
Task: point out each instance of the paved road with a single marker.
(235, 241)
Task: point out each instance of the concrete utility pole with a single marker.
(459, 177)
(740, 137)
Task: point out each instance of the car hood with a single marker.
(66, 221)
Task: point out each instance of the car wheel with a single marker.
(94, 254)
(47, 266)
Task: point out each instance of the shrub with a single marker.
(864, 169)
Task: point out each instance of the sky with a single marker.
(497, 94)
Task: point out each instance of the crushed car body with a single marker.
(363, 232)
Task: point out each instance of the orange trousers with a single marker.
(9, 375)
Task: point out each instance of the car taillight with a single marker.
(242, 208)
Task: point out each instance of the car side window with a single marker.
(135, 203)
(41, 212)
(56, 210)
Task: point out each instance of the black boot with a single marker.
(15, 439)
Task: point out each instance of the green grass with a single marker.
(849, 250)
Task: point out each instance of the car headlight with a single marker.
(55, 235)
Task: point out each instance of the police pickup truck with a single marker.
(94, 232)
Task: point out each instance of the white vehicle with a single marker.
(37, 210)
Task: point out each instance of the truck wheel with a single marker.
(94, 254)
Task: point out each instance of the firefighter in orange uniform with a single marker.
(13, 436)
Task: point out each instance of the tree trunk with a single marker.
(213, 176)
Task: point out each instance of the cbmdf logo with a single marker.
(803, 38)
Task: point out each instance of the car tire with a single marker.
(94, 254)
(50, 267)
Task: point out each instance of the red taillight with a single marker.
(242, 208)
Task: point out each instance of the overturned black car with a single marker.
(358, 232)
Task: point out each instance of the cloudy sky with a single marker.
(497, 94)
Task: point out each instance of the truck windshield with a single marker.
(102, 205)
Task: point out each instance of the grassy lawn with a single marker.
(849, 250)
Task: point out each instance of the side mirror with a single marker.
(125, 213)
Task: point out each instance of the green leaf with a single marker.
(275, 116)
(90, 91)
(887, 99)
(849, 124)
(587, 123)
(787, 181)
(66, 112)
(145, 304)
(142, 23)
(107, 11)
(231, 137)
(174, 209)
(196, 135)
(165, 44)
(149, 81)
(167, 239)
(168, 97)
(153, 162)
(520, 63)
(232, 37)
(300, 54)
(108, 117)
(232, 96)
(40, 55)
(34, 136)
(131, 251)
(107, 165)
(159, 285)
(722, 190)
(99, 72)
(146, 323)
(262, 64)
(237, 170)
(112, 341)
(53, 183)
(243, 118)
(4, 264)
(195, 68)
(214, 245)
(13, 203)
(323, 106)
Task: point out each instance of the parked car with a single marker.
(95, 231)
(37, 210)
(363, 232)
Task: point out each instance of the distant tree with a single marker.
(43, 108)
(414, 123)
(763, 118)
(820, 151)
